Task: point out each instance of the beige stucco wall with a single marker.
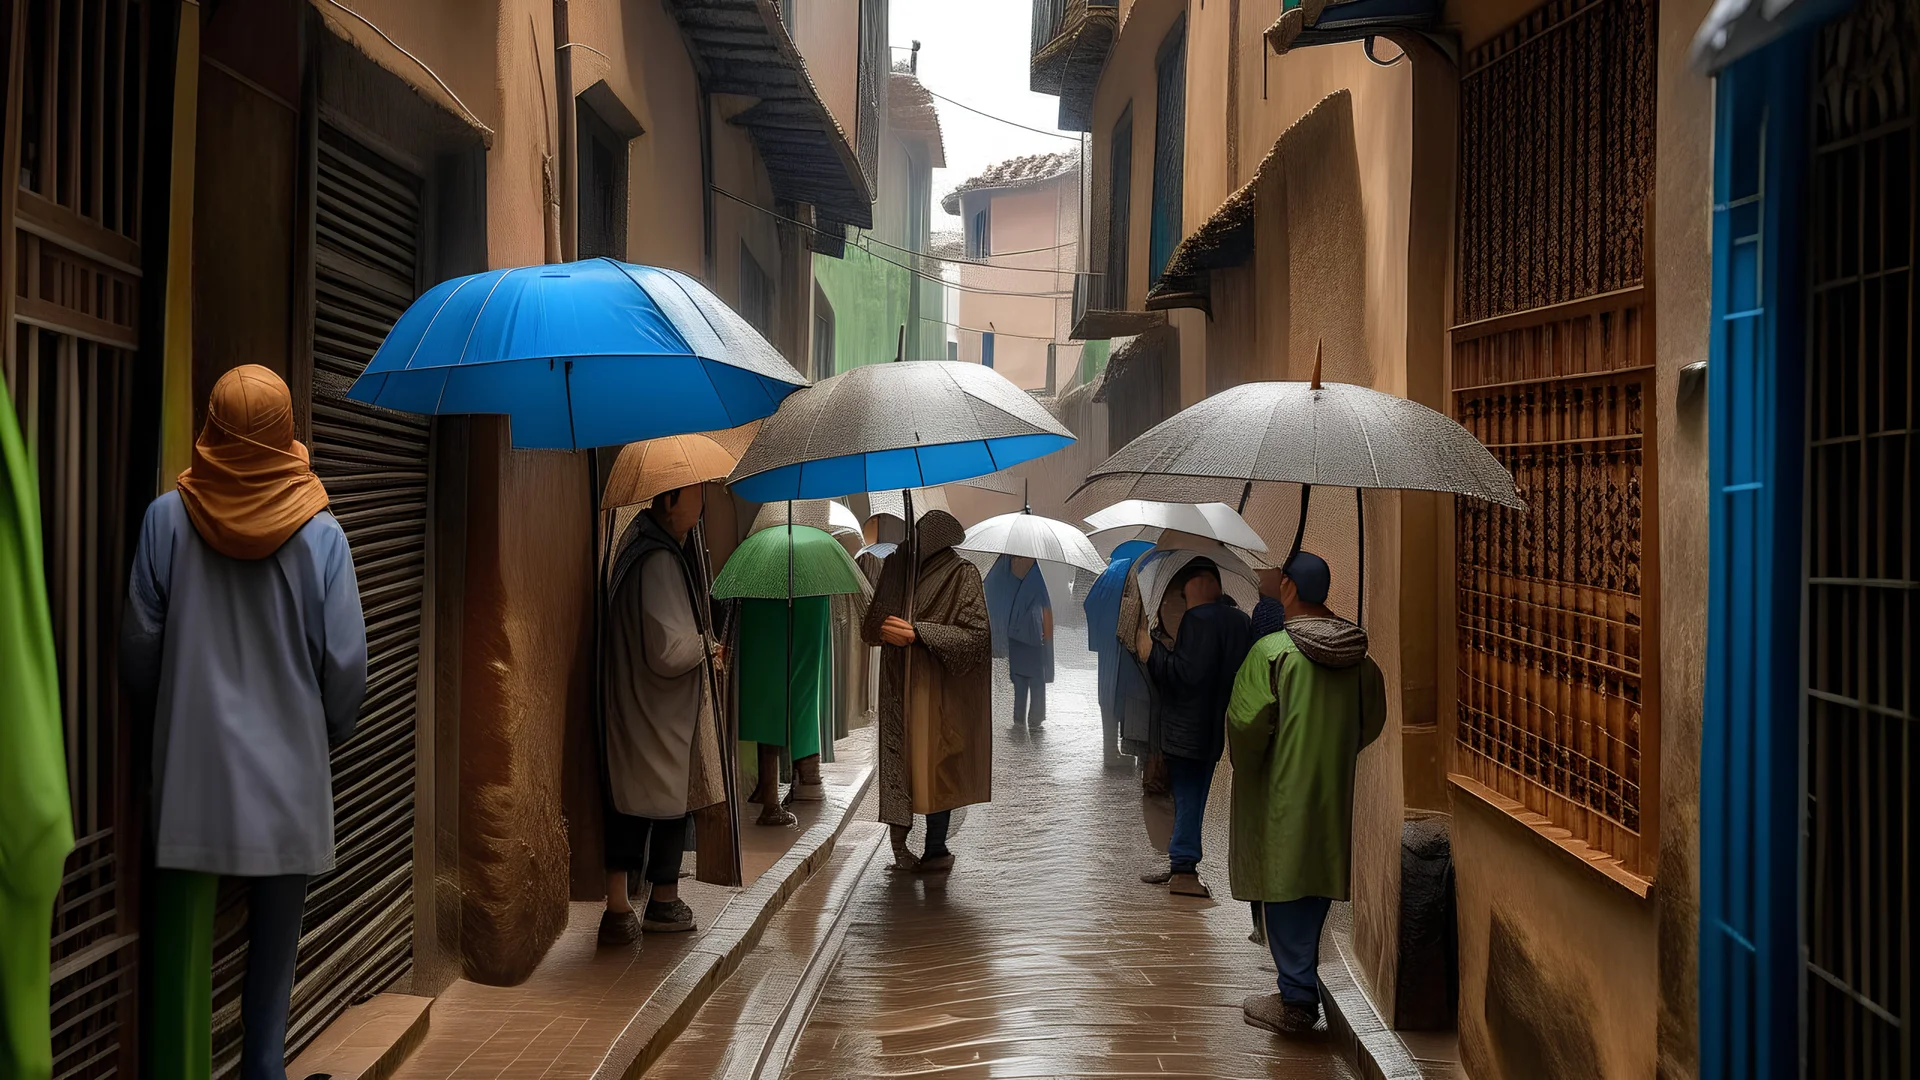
(1031, 223)
(1683, 280)
(1130, 78)
(828, 34)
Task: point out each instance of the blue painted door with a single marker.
(1749, 849)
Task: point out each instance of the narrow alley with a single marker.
(1040, 955)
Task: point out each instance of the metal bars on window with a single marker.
(1863, 547)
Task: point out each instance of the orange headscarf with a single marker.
(250, 486)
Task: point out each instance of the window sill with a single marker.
(1593, 858)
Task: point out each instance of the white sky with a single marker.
(976, 52)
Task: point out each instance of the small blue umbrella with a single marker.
(583, 354)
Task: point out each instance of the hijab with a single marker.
(251, 485)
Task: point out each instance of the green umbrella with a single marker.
(783, 564)
(761, 568)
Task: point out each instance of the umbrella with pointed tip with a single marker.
(1308, 434)
(1144, 519)
(1027, 534)
(884, 427)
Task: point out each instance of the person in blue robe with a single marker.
(1021, 614)
(1122, 684)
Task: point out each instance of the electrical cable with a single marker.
(1074, 139)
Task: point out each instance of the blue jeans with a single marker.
(1293, 934)
(1191, 781)
(1027, 690)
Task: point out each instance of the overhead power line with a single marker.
(1074, 139)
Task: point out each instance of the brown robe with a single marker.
(937, 753)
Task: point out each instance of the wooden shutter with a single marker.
(1552, 369)
(357, 938)
(1119, 218)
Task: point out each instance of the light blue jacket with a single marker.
(253, 668)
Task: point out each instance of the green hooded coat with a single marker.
(36, 823)
(1304, 703)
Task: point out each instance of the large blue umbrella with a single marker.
(591, 353)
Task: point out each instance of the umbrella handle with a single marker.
(1360, 536)
(1300, 532)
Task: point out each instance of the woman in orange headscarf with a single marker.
(244, 636)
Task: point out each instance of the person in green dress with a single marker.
(36, 825)
(782, 693)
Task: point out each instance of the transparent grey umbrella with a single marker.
(1029, 535)
(1308, 434)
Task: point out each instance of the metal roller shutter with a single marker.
(357, 937)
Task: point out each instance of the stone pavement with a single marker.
(1041, 955)
(589, 1011)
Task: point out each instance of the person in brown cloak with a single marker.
(936, 736)
(660, 737)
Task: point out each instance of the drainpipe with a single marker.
(568, 195)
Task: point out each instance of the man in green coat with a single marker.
(1305, 702)
(36, 822)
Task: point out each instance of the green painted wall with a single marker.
(870, 301)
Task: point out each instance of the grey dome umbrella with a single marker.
(1308, 434)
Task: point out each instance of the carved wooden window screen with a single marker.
(75, 134)
(1552, 370)
(1862, 496)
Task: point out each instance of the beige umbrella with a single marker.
(648, 468)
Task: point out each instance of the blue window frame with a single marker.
(1169, 149)
(1749, 786)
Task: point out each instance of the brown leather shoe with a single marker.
(1189, 885)
(774, 817)
(1157, 877)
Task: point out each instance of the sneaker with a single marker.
(1188, 885)
(1157, 877)
(619, 928)
(669, 917)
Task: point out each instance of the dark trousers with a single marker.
(1191, 781)
(1293, 934)
(274, 907)
(1029, 700)
(937, 826)
(183, 979)
(634, 844)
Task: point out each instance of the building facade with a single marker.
(1508, 211)
(199, 186)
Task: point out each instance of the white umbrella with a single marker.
(826, 515)
(1161, 565)
(891, 504)
(1032, 536)
(1214, 520)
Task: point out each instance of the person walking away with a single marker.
(1194, 673)
(1270, 614)
(936, 693)
(1305, 703)
(36, 820)
(1029, 632)
(781, 695)
(244, 640)
(1103, 625)
(660, 738)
